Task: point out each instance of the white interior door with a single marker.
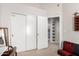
(42, 32)
(31, 32)
(57, 31)
(18, 31)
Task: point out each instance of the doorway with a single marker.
(53, 30)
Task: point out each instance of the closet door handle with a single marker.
(37, 34)
(12, 35)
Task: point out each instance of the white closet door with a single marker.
(42, 32)
(31, 32)
(18, 32)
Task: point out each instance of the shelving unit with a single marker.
(76, 23)
(53, 30)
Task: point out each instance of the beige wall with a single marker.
(54, 10)
(68, 26)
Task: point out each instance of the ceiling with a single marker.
(43, 5)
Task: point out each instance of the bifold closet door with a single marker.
(18, 31)
(30, 32)
(42, 32)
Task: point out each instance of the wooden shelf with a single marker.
(76, 23)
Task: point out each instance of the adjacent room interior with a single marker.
(39, 29)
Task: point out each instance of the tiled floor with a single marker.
(50, 51)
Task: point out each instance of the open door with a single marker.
(42, 32)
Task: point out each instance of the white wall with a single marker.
(68, 25)
(0, 14)
(7, 9)
(53, 10)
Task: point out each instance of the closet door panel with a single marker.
(18, 31)
(42, 32)
(31, 32)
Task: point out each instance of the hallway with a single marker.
(50, 51)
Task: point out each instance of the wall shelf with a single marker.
(76, 23)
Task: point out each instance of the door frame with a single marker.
(36, 32)
(60, 28)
